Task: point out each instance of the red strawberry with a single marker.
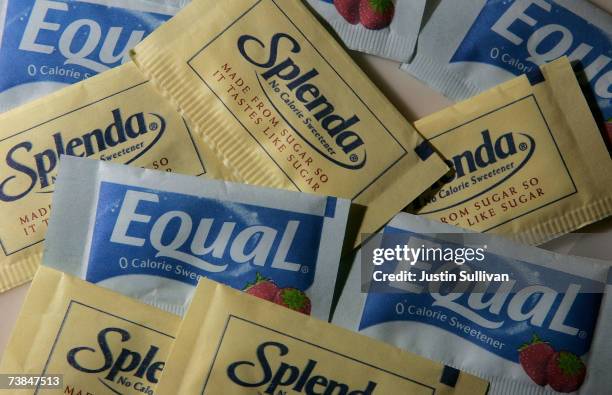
(534, 358)
(262, 288)
(565, 371)
(609, 129)
(349, 9)
(376, 14)
(293, 299)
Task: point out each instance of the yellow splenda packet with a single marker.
(528, 160)
(234, 343)
(282, 105)
(84, 339)
(116, 116)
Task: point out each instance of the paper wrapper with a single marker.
(528, 160)
(115, 116)
(233, 343)
(282, 105)
(97, 339)
(151, 235)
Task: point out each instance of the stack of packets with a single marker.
(251, 151)
(228, 343)
(261, 107)
(464, 50)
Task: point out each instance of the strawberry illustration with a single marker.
(349, 9)
(609, 128)
(262, 288)
(376, 14)
(294, 299)
(565, 371)
(534, 357)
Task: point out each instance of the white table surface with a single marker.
(415, 100)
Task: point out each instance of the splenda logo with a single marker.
(489, 153)
(346, 147)
(300, 379)
(39, 165)
(114, 366)
(511, 148)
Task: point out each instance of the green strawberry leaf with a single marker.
(569, 363)
(258, 278)
(293, 298)
(381, 6)
(534, 340)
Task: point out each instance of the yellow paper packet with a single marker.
(100, 341)
(528, 160)
(283, 105)
(115, 116)
(233, 343)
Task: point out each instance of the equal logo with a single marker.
(505, 163)
(253, 358)
(67, 41)
(114, 355)
(33, 168)
(183, 237)
(499, 316)
(520, 35)
(287, 96)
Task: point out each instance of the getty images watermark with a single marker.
(459, 263)
(422, 257)
(438, 262)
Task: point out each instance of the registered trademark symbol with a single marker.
(153, 126)
(523, 146)
(304, 269)
(354, 158)
(582, 334)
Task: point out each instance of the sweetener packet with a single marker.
(115, 116)
(82, 339)
(232, 343)
(48, 44)
(377, 27)
(465, 50)
(282, 105)
(528, 320)
(527, 160)
(152, 235)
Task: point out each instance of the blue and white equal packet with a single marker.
(470, 46)
(151, 235)
(48, 44)
(385, 28)
(561, 302)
